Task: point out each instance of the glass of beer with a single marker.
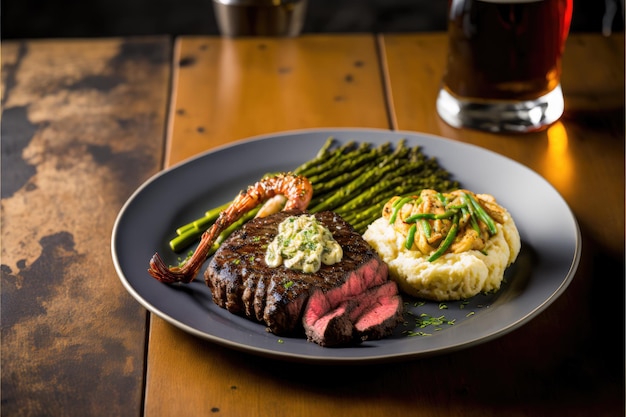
(503, 67)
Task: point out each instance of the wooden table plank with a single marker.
(565, 361)
(82, 126)
(230, 89)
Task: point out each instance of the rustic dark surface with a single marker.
(77, 138)
(75, 18)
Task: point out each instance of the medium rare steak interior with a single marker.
(347, 302)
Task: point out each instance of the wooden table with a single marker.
(85, 122)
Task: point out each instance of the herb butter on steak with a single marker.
(342, 303)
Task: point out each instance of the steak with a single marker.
(347, 302)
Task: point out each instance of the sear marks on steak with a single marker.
(350, 301)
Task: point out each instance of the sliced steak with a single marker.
(242, 283)
(330, 319)
(382, 317)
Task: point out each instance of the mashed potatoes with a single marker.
(452, 276)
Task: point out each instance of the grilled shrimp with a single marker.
(297, 190)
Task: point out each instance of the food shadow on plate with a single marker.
(426, 318)
(198, 292)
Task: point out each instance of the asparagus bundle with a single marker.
(353, 180)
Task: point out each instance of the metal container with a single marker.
(260, 17)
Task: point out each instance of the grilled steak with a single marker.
(349, 301)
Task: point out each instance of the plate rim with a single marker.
(289, 356)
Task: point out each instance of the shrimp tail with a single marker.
(298, 191)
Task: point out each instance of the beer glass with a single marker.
(504, 64)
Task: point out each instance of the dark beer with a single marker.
(505, 49)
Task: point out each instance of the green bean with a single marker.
(431, 216)
(410, 238)
(397, 206)
(472, 218)
(426, 227)
(482, 215)
(443, 247)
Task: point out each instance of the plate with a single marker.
(546, 265)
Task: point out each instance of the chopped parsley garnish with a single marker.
(182, 261)
(425, 320)
(411, 333)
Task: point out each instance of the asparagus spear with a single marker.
(322, 155)
(327, 162)
(347, 165)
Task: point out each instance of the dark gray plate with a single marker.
(546, 265)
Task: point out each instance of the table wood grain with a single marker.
(231, 89)
(562, 363)
(83, 125)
